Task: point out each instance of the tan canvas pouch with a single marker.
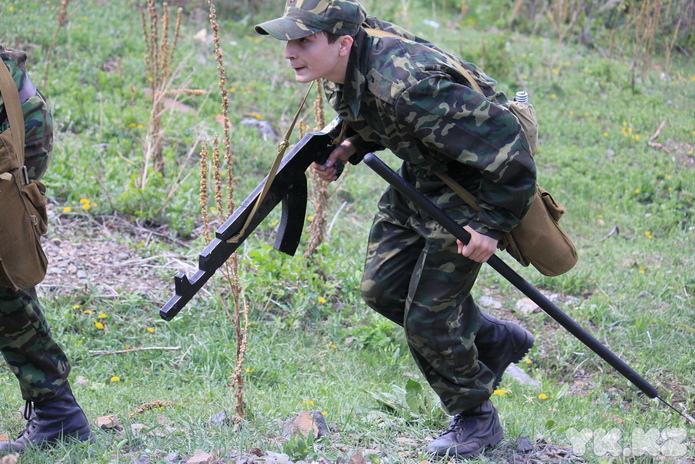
(539, 239)
(23, 217)
(526, 114)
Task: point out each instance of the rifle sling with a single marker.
(467, 196)
(273, 171)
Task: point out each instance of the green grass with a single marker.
(633, 290)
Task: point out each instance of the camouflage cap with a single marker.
(303, 18)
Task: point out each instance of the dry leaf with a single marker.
(201, 457)
(10, 459)
(306, 425)
(109, 422)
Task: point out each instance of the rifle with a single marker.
(515, 279)
(289, 187)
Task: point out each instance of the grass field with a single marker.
(616, 148)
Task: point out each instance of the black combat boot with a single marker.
(48, 422)
(501, 343)
(469, 433)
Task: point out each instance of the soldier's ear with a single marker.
(345, 42)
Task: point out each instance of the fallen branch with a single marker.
(654, 144)
(132, 350)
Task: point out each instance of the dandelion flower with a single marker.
(150, 330)
(99, 325)
(67, 209)
(500, 392)
(308, 402)
(115, 378)
(102, 316)
(322, 300)
(542, 396)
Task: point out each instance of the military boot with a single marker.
(469, 433)
(49, 422)
(501, 343)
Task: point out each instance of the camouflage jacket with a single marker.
(38, 121)
(403, 95)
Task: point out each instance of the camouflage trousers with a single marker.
(26, 344)
(415, 277)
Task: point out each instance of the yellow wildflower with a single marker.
(115, 379)
(150, 330)
(102, 316)
(322, 300)
(308, 402)
(99, 325)
(500, 392)
(67, 209)
(542, 396)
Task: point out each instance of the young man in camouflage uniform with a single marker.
(403, 94)
(39, 363)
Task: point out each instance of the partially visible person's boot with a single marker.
(501, 343)
(49, 422)
(469, 433)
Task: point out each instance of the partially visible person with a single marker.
(36, 359)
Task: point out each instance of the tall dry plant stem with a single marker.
(646, 24)
(319, 193)
(158, 65)
(203, 193)
(62, 22)
(223, 190)
(563, 16)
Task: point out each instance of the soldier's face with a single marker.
(313, 57)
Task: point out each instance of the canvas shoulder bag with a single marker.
(23, 218)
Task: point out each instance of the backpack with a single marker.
(538, 239)
(23, 217)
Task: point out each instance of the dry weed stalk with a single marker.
(158, 65)
(62, 22)
(223, 191)
(563, 16)
(319, 194)
(646, 24)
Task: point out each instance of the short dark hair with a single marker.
(332, 38)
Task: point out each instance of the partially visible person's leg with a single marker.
(42, 369)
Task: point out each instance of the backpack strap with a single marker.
(467, 196)
(450, 60)
(10, 98)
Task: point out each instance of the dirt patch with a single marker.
(109, 256)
